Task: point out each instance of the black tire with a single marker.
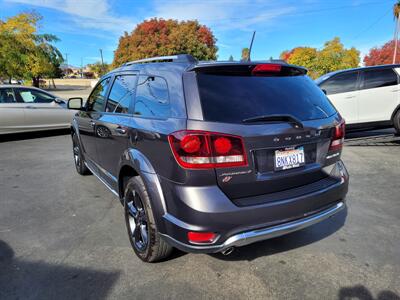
(78, 157)
(396, 122)
(139, 218)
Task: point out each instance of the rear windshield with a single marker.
(231, 99)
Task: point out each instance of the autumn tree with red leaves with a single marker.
(158, 37)
(381, 55)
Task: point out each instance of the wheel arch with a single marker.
(396, 110)
(135, 163)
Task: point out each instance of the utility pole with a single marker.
(81, 67)
(66, 63)
(101, 54)
(102, 62)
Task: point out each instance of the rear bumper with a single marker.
(208, 209)
(249, 237)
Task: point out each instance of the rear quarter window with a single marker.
(379, 78)
(232, 99)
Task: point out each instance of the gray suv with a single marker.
(208, 156)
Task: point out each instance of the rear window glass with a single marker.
(231, 99)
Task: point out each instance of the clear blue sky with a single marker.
(85, 26)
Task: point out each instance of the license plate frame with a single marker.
(289, 158)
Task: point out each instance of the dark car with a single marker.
(208, 156)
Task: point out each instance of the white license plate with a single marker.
(288, 159)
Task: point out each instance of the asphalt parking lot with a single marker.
(63, 236)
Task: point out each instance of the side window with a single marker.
(341, 83)
(152, 99)
(97, 97)
(379, 78)
(33, 96)
(121, 94)
(7, 96)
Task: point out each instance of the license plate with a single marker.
(289, 158)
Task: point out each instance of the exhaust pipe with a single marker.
(228, 251)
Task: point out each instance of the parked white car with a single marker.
(366, 97)
(24, 109)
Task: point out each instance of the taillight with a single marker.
(195, 149)
(201, 237)
(338, 137)
(266, 68)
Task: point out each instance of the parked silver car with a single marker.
(24, 109)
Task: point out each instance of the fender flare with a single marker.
(142, 166)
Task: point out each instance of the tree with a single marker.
(396, 14)
(158, 37)
(304, 56)
(24, 53)
(333, 56)
(231, 58)
(245, 54)
(99, 68)
(381, 55)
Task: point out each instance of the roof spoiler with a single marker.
(267, 68)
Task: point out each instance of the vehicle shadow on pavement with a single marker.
(360, 292)
(385, 137)
(288, 242)
(33, 135)
(22, 279)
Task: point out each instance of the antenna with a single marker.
(251, 45)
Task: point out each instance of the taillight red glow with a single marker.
(191, 144)
(201, 237)
(222, 145)
(194, 149)
(338, 137)
(266, 68)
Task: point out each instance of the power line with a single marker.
(373, 24)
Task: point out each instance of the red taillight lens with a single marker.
(266, 68)
(191, 144)
(201, 149)
(201, 237)
(222, 145)
(338, 137)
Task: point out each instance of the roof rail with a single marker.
(171, 58)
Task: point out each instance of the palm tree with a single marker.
(396, 15)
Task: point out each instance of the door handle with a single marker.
(120, 130)
(395, 91)
(30, 107)
(350, 97)
(92, 123)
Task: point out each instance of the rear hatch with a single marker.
(285, 121)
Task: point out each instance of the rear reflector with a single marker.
(201, 237)
(338, 137)
(194, 149)
(266, 68)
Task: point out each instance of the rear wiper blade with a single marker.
(275, 118)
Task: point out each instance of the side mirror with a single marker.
(75, 103)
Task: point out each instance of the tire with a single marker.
(396, 122)
(78, 157)
(139, 218)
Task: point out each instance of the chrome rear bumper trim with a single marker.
(253, 236)
(249, 237)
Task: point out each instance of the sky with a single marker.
(86, 26)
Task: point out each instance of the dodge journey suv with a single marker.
(209, 156)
